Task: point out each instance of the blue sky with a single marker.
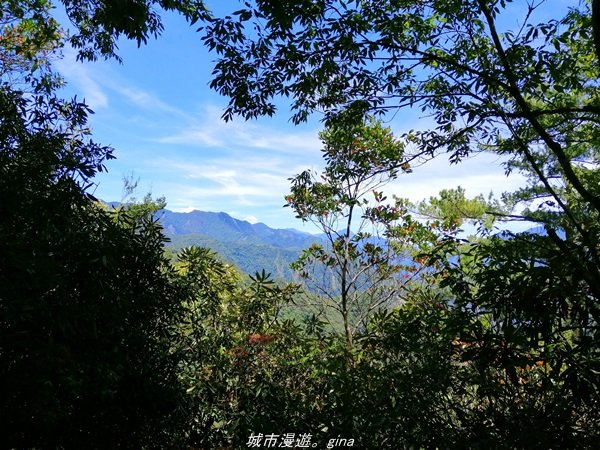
(157, 111)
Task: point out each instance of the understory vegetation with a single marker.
(400, 332)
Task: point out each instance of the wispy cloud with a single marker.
(258, 180)
(84, 80)
(200, 162)
(247, 180)
(209, 130)
(99, 82)
(203, 136)
(145, 100)
(480, 174)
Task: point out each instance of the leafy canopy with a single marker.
(87, 300)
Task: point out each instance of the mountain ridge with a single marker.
(250, 247)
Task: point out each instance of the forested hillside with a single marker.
(400, 332)
(250, 247)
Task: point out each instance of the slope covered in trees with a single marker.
(250, 247)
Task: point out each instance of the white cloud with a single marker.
(201, 162)
(477, 175)
(199, 136)
(81, 77)
(254, 185)
(145, 100)
(94, 80)
(211, 131)
(198, 181)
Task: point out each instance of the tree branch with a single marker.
(513, 89)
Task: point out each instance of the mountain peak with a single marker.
(251, 247)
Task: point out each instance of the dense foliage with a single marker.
(105, 343)
(87, 302)
(523, 309)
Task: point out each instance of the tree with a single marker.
(28, 39)
(237, 366)
(529, 94)
(98, 25)
(88, 305)
(356, 272)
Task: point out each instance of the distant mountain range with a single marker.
(251, 247)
